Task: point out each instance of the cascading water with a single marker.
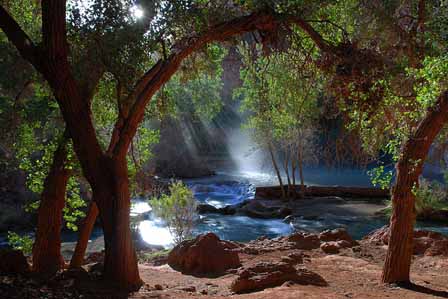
(223, 189)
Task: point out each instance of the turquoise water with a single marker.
(223, 189)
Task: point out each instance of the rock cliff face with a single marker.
(188, 148)
(178, 154)
(204, 256)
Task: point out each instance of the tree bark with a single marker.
(47, 258)
(302, 181)
(84, 235)
(409, 168)
(277, 171)
(113, 199)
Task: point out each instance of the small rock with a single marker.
(288, 284)
(293, 258)
(271, 274)
(289, 219)
(339, 234)
(330, 247)
(344, 244)
(304, 241)
(158, 287)
(190, 289)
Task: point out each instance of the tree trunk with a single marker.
(294, 168)
(47, 258)
(302, 181)
(83, 237)
(113, 200)
(277, 171)
(286, 170)
(409, 167)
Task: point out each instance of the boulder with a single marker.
(13, 262)
(256, 209)
(331, 247)
(380, 235)
(421, 245)
(271, 274)
(339, 234)
(439, 247)
(304, 241)
(293, 258)
(204, 255)
(345, 244)
(204, 208)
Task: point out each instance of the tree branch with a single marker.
(162, 71)
(19, 38)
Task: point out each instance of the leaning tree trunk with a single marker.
(302, 181)
(277, 171)
(409, 167)
(84, 235)
(47, 256)
(113, 200)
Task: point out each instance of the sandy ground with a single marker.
(349, 275)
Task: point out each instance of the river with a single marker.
(232, 188)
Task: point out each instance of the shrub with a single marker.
(430, 196)
(22, 243)
(177, 210)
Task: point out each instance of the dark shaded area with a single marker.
(422, 289)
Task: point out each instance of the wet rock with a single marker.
(205, 255)
(13, 262)
(271, 274)
(228, 210)
(255, 209)
(331, 247)
(338, 234)
(204, 208)
(289, 219)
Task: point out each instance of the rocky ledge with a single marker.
(425, 242)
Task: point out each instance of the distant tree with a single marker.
(279, 93)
